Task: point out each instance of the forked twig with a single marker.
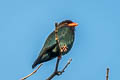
(56, 72)
(31, 73)
(63, 70)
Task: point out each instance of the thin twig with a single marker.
(31, 73)
(56, 72)
(63, 70)
(58, 59)
(107, 74)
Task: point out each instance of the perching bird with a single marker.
(50, 50)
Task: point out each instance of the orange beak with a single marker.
(73, 24)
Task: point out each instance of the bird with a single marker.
(50, 50)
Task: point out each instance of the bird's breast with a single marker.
(66, 37)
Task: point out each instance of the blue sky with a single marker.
(25, 25)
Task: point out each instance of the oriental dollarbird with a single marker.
(50, 50)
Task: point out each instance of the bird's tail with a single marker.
(43, 56)
(34, 65)
(37, 61)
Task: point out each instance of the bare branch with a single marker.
(107, 74)
(63, 70)
(31, 73)
(56, 72)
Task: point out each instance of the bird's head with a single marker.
(68, 23)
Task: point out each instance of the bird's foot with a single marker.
(59, 57)
(64, 48)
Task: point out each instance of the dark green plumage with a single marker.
(50, 49)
